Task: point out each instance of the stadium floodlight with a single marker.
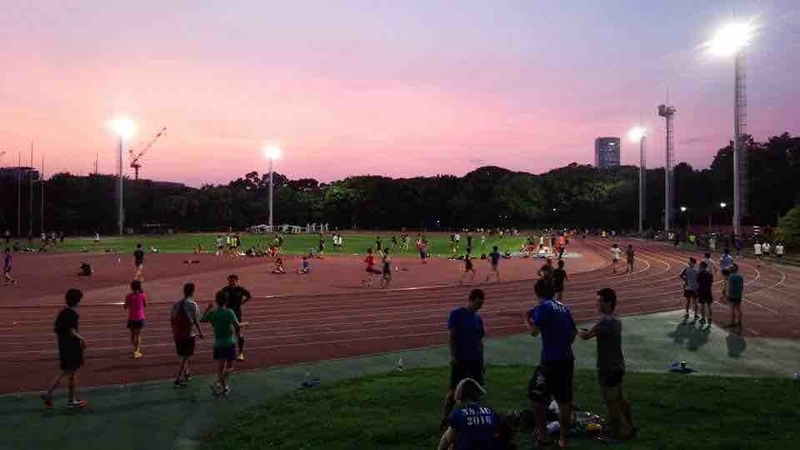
(271, 152)
(639, 134)
(683, 209)
(636, 134)
(723, 204)
(732, 39)
(123, 128)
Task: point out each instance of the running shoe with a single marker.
(179, 384)
(76, 404)
(137, 355)
(240, 357)
(47, 399)
(187, 376)
(225, 392)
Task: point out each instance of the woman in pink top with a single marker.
(135, 303)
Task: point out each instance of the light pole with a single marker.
(640, 134)
(271, 152)
(123, 128)
(731, 40)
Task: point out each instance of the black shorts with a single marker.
(705, 298)
(609, 379)
(466, 369)
(725, 272)
(552, 379)
(184, 347)
(689, 294)
(135, 324)
(735, 300)
(139, 265)
(71, 358)
(238, 313)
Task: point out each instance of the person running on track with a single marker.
(757, 248)
(725, 263)
(558, 277)
(225, 326)
(370, 269)
(135, 304)
(494, 261)
(779, 250)
(183, 315)
(386, 273)
(704, 295)
(138, 261)
(237, 297)
(615, 251)
(71, 346)
(422, 248)
(689, 277)
(8, 261)
(465, 341)
(735, 295)
(630, 257)
(469, 268)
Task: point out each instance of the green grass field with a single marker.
(401, 411)
(438, 244)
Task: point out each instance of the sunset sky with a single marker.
(398, 88)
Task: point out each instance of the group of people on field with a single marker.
(224, 315)
(469, 423)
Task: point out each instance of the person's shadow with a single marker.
(736, 344)
(690, 334)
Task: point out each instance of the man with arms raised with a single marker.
(465, 341)
(553, 377)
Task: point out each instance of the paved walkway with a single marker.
(155, 416)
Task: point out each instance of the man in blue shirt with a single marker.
(465, 341)
(553, 377)
(472, 426)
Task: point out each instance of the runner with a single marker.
(615, 251)
(546, 271)
(135, 304)
(779, 249)
(465, 341)
(735, 295)
(553, 377)
(70, 350)
(468, 269)
(494, 261)
(321, 245)
(456, 242)
(630, 257)
(611, 366)
(422, 248)
(386, 277)
(766, 248)
(237, 297)
(370, 269)
(7, 266)
(689, 277)
(220, 246)
(225, 325)
(757, 248)
(725, 263)
(378, 244)
(558, 277)
(183, 315)
(138, 261)
(704, 295)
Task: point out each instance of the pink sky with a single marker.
(363, 89)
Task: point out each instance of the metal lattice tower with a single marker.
(740, 173)
(668, 112)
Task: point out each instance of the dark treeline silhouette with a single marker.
(576, 195)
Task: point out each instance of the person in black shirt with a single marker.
(70, 350)
(469, 242)
(138, 261)
(386, 278)
(378, 244)
(469, 268)
(237, 297)
(557, 278)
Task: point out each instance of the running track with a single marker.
(291, 329)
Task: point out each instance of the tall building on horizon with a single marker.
(606, 152)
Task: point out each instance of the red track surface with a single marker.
(327, 315)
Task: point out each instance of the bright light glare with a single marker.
(272, 152)
(723, 204)
(683, 209)
(731, 38)
(637, 133)
(123, 127)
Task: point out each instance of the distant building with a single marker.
(25, 173)
(606, 152)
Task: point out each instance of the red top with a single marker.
(370, 260)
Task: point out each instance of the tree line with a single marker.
(575, 195)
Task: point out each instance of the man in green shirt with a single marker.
(735, 294)
(223, 321)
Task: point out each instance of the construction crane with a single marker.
(135, 157)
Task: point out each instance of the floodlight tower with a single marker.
(124, 129)
(667, 112)
(732, 40)
(272, 153)
(639, 134)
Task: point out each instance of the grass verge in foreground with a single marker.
(401, 411)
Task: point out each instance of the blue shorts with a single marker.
(227, 353)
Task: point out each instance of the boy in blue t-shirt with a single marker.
(735, 294)
(553, 376)
(471, 426)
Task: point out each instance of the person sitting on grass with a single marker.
(279, 269)
(305, 266)
(471, 426)
(611, 365)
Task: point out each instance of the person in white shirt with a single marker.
(766, 248)
(615, 251)
(779, 249)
